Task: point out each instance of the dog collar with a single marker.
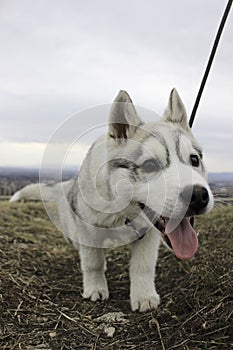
(139, 226)
(140, 233)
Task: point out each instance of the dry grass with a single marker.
(40, 291)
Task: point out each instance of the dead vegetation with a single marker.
(40, 291)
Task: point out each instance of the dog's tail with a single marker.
(40, 192)
(27, 193)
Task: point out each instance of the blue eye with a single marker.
(194, 160)
(151, 165)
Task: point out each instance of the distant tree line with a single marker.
(12, 181)
(9, 186)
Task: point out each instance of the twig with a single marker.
(154, 321)
(180, 344)
(96, 341)
(18, 308)
(75, 321)
(194, 315)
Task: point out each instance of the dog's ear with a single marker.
(123, 118)
(175, 111)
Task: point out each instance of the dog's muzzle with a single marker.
(181, 239)
(178, 234)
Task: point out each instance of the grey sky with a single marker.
(60, 57)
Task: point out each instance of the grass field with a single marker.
(40, 291)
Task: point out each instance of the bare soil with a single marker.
(41, 306)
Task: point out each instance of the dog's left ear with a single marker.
(123, 118)
(175, 111)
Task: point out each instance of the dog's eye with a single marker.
(151, 165)
(194, 160)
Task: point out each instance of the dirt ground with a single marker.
(41, 306)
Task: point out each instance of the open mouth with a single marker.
(178, 235)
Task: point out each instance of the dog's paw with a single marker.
(96, 294)
(144, 303)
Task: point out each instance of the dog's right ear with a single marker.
(123, 118)
(175, 112)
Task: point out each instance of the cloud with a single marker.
(58, 58)
(26, 154)
(21, 154)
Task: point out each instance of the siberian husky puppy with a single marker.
(139, 184)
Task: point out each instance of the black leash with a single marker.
(210, 61)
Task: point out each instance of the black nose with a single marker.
(196, 197)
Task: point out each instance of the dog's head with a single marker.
(164, 165)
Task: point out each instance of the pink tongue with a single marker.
(183, 240)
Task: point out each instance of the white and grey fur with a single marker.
(134, 163)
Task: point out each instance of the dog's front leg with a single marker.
(143, 295)
(93, 266)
